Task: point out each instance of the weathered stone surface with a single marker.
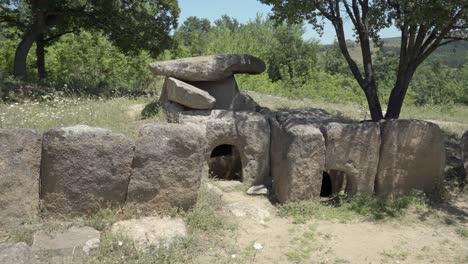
(151, 231)
(167, 166)
(224, 91)
(84, 168)
(412, 157)
(189, 95)
(464, 146)
(76, 241)
(209, 68)
(244, 102)
(353, 149)
(20, 158)
(18, 253)
(309, 116)
(228, 186)
(298, 161)
(248, 132)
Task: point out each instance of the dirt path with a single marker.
(279, 240)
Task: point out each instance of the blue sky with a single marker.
(245, 10)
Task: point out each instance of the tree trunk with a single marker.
(398, 93)
(40, 57)
(373, 101)
(22, 51)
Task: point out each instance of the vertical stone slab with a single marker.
(248, 132)
(298, 162)
(353, 149)
(20, 158)
(412, 157)
(84, 168)
(464, 147)
(167, 167)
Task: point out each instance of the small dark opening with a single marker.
(225, 163)
(333, 182)
(326, 190)
(222, 150)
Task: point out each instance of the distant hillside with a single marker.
(453, 55)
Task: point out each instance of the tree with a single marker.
(425, 25)
(289, 54)
(192, 34)
(231, 23)
(130, 24)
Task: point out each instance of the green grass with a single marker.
(205, 215)
(358, 207)
(463, 232)
(451, 118)
(119, 114)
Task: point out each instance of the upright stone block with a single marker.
(84, 168)
(167, 167)
(464, 146)
(412, 156)
(353, 149)
(298, 162)
(20, 158)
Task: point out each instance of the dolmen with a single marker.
(215, 131)
(206, 83)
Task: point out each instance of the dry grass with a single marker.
(451, 118)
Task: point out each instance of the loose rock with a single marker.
(209, 68)
(84, 169)
(76, 241)
(20, 157)
(151, 231)
(257, 190)
(18, 253)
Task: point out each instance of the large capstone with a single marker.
(412, 157)
(20, 158)
(354, 150)
(188, 95)
(84, 169)
(229, 132)
(167, 167)
(298, 161)
(209, 68)
(464, 146)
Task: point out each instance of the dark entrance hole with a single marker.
(225, 163)
(333, 182)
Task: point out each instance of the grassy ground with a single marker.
(452, 118)
(123, 114)
(120, 114)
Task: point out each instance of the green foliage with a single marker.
(87, 63)
(151, 109)
(438, 84)
(102, 219)
(350, 208)
(130, 25)
(205, 215)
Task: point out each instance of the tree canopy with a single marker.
(425, 25)
(131, 25)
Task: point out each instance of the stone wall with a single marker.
(297, 153)
(77, 170)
